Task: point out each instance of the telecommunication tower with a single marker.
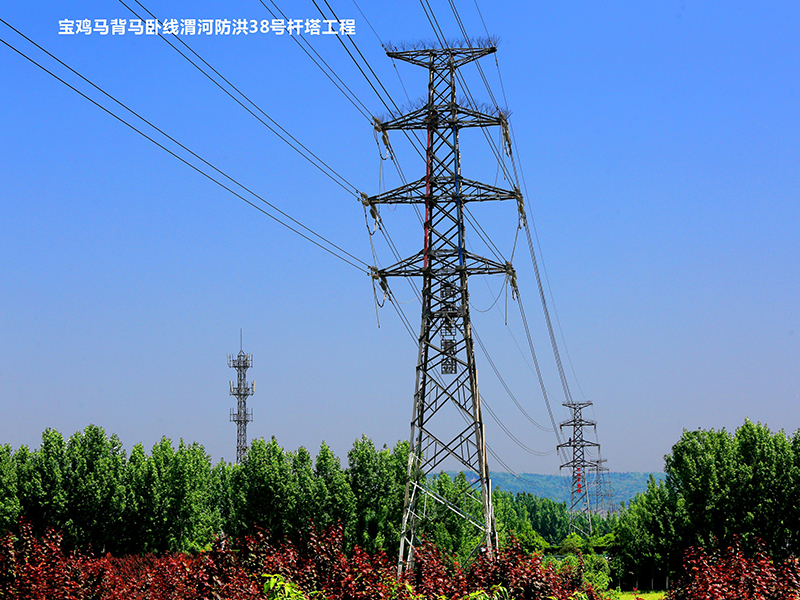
(580, 510)
(447, 421)
(242, 390)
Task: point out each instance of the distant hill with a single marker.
(624, 486)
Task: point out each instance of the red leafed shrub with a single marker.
(525, 577)
(433, 578)
(320, 564)
(39, 569)
(730, 575)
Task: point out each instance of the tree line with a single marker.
(175, 499)
(721, 490)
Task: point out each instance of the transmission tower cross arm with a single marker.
(442, 59)
(415, 266)
(469, 191)
(441, 116)
(577, 423)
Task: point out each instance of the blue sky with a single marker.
(659, 144)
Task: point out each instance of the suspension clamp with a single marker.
(520, 205)
(506, 132)
(380, 278)
(511, 274)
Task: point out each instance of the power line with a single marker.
(377, 79)
(553, 343)
(439, 33)
(525, 187)
(556, 429)
(352, 260)
(380, 41)
(505, 386)
(305, 153)
(508, 432)
(360, 106)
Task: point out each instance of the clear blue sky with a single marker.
(660, 144)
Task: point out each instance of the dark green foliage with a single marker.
(449, 531)
(265, 491)
(645, 538)
(9, 500)
(514, 522)
(741, 485)
(572, 544)
(95, 495)
(334, 499)
(720, 487)
(377, 479)
(173, 500)
(550, 519)
(193, 518)
(41, 482)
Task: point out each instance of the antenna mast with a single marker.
(242, 390)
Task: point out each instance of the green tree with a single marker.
(94, 491)
(9, 501)
(41, 481)
(157, 489)
(513, 521)
(647, 538)
(225, 495)
(765, 490)
(269, 490)
(306, 491)
(193, 517)
(335, 501)
(572, 544)
(740, 485)
(703, 470)
(172, 502)
(141, 531)
(549, 518)
(718, 486)
(377, 479)
(447, 529)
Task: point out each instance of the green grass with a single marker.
(644, 595)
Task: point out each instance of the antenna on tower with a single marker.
(242, 390)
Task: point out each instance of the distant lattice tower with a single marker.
(580, 498)
(242, 390)
(603, 504)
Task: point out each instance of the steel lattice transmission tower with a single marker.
(447, 421)
(242, 390)
(580, 510)
(602, 487)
